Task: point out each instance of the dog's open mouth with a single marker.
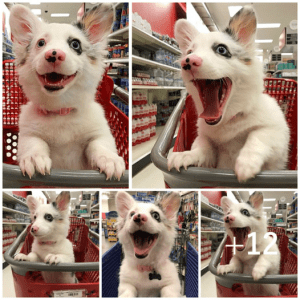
(241, 236)
(143, 243)
(214, 94)
(55, 81)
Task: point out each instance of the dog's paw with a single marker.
(111, 164)
(53, 259)
(247, 167)
(22, 257)
(39, 163)
(185, 159)
(224, 269)
(127, 294)
(258, 272)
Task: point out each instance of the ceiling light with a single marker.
(37, 12)
(268, 25)
(34, 3)
(259, 50)
(286, 53)
(270, 199)
(278, 214)
(263, 41)
(233, 10)
(59, 15)
(104, 197)
(267, 207)
(73, 198)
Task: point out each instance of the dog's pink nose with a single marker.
(140, 219)
(34, 229)
(55, 56)
(191, 62)
(229, 219)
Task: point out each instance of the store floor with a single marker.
(8, 283)
(208, 280)
(106, 245)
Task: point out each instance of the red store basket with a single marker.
(283, 90)
(14, 98)
(229, 285)
(27, 277)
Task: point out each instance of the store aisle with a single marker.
(106, 245)
(153, 176)
(8, 283)
(208, 280)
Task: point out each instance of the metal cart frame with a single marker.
(196, 177)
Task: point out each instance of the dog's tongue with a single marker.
(210, 98)
(143, 242)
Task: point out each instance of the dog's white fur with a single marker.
(134, 283)
(60, 249)
(81, 139)
(257, 138)
(255, 265)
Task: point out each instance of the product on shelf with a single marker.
(122, 17)
(119, 104)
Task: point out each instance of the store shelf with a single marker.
(293, 217)
(280, 224)
(6, 44)
(95, 220)
(210, 219)
(9, 198)
(117, 60)
(285, 70)
(6, 209)
(207, 231)
(148, 39)
(151, 87)
(296, 199)
(119, 34)
(292, 229)
(207, 206)
(95, 206)
(8, 53)
(11, 223)
(146, 62)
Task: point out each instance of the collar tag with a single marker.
(154, 275)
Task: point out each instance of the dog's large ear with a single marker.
(170, 204)
(226, 204)
(23, 24)
(97, 22)
(256, 200)
(184, 34)
(124, 202)
(242, 26)
(62, 202)
(32, 203)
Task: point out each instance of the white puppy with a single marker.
(147, 233)
(242, 219)
(60, 67)
(239, 127)
(50, 227)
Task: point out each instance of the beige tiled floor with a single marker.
(150, 177)
(208, 280)
(8, 285)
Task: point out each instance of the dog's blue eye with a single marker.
(48, 217)
(245, 212)
(75, 45)
(132, 213)
(41, 43)
(189, 52)
(155, 215)
(222, 50)
(34, 217)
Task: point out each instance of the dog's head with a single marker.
(243, 218)
(220, 68)
(147, 231)
(49, 220)
(55, 58)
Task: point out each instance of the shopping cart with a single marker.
(27, 276)
(111, 263)
(229, 285)
(283, 90)
(14, 98)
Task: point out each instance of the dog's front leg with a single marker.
(101, 155)
(172, 290)
(234, 266)
(202, 154)
(54, 259)
(260, 145)
(33, 155)
(127, 290)
(32, 256)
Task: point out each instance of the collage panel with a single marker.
(222, 81)
(65, 95)
(149, 244)
(50, 243)
(249, 243)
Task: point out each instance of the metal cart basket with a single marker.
(283, 90)
(229, 285)
(111, 263)
(27, 277)
(14, 98)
